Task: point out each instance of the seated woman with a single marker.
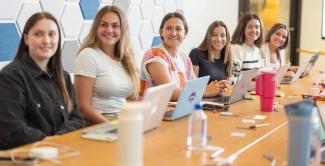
(166, 63)
(213, 56)
(105, 69)
(246, 43)
(273, 50)
(36, 96)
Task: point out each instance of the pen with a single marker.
(227, 114)
(216, 153)
(254, 126)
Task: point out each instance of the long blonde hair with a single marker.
(206, 45)
(123, 49)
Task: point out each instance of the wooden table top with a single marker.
(166, 145)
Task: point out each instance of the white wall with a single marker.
(311, 29)
(200, 14)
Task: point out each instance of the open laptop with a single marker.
(301, 69)
(240, 88)
(319, 112)
(281, 72)
(319, 115)
(191, 93)
(310, 65)
(157, 96)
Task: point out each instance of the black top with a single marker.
(217, 69)
(31, 105)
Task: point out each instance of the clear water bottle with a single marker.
(197, 129)
(315, 144)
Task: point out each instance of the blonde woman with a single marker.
(105, 70)
(213, 56)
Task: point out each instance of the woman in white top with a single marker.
(246, 43)
(105, 70)
(273, 50)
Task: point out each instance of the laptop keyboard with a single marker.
(222, 99)
(286, 79)
(168, 114)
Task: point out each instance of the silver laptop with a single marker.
(319, 112)
(310, 65)
(301, 69)
(157, 96)
(281, 73)
(191, 93)
(240, 88)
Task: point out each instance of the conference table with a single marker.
(166, 145)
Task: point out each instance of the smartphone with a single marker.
(19, 160)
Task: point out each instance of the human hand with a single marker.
(289, 74)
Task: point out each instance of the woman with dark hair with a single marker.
(165, 63)
(36, 96)
(213, 56)
(246, 41)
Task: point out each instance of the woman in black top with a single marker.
(36, 96)
(213, 56)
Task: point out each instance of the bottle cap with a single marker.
(197, 106)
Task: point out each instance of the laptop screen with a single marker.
(321, 115)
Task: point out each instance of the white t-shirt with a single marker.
(112, 86)
(267, 59)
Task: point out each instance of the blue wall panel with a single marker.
(89, 8)
(9, 40)
(156, 41)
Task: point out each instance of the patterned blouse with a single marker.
(179, 67)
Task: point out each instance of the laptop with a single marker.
(301, 69)
(157, 96)
(321, 113)
(280, 74)
(240, 88)
(307, 107)
(191, 93)
(310, 65)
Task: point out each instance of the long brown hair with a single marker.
(55, 62)
(206, 45)
(274, 28)
(123, 49)
(238, 36)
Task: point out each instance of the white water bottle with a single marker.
(130, 134)
(197, 129)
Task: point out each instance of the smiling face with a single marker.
(173, 33)
(109, 30)
(278, 38)
(218, 38)
(252, 31)
(42, 40)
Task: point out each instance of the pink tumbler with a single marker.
(265, 88)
